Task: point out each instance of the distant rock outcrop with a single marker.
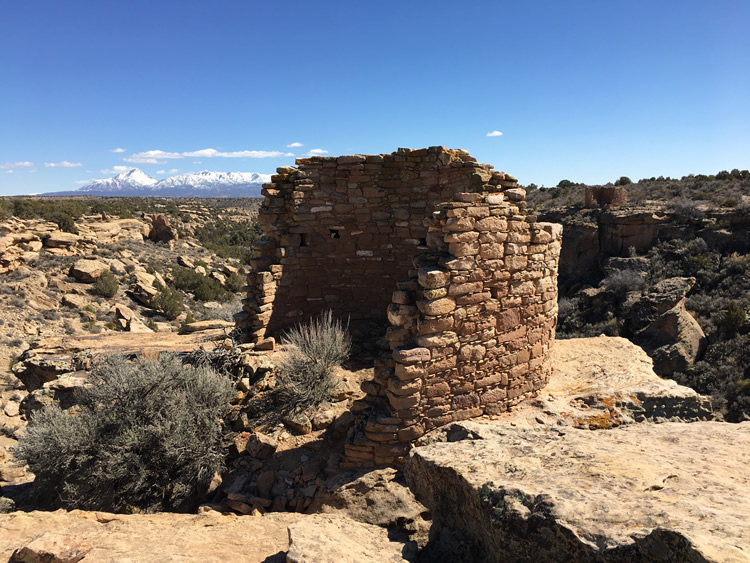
(161, 230)
(665, 329)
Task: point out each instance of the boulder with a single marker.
(666, 492)
(675, 341)
(665, 329)
(60, 239)
(658, 300)
(379, 497)
(328, 537)
(161, 230)
(74, 301)
(86, 270)
(186, 262)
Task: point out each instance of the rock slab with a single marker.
(328, 538)
(663, 492)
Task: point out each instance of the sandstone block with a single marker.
(411, 355)
(403, 388)
(460, 249)
(433, 325)
(460, 224)
(430, 277)
(492, 224)
(437, 340)
(409, 371)
(437, 307)
(400, 403)
(515, 194)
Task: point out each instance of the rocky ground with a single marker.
(601, 465)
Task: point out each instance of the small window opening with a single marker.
(334, 233)
(303, 239)
(422, 242)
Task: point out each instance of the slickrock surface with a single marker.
(207, 537)
(326, 538)
(103, 537)
(603, 382)
(643, 492)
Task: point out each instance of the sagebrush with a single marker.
(306, 373)
(144, 437)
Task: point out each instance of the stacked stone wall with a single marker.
(599, 196)
(471, 329)
(341, 232)
(441, 249)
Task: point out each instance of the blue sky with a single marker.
(586, 90)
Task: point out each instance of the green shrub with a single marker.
(733, 318)
(145, 436)
(106, 284)
(305, 374)
(235, 282)
(230, 239)
(168, 302)
(204, 288)
(623, 181)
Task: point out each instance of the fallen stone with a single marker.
(322, 419)
(261, 446)
(299, 422)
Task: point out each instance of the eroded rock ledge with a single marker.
(643, 492)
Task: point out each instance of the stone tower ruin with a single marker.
(435, 245)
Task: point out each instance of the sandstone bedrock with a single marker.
(644, 492)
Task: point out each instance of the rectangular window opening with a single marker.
(334, 233)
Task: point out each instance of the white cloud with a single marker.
(32, 171)
(82, 182)
(10, 171)
(117, 169)
(494, 133)
(158, 156)
(174, 170)
(63, 164)
(22, 164)
(293, 145)
(118, 149)
(316, 152)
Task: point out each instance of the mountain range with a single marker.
(136, 183)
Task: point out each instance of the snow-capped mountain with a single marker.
(208, 184)
(126, 181)
(136, 183)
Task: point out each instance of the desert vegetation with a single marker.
(144, 436)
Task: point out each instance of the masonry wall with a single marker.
(599, 196)
(438, 247)
(341, 232)
(471, 329)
